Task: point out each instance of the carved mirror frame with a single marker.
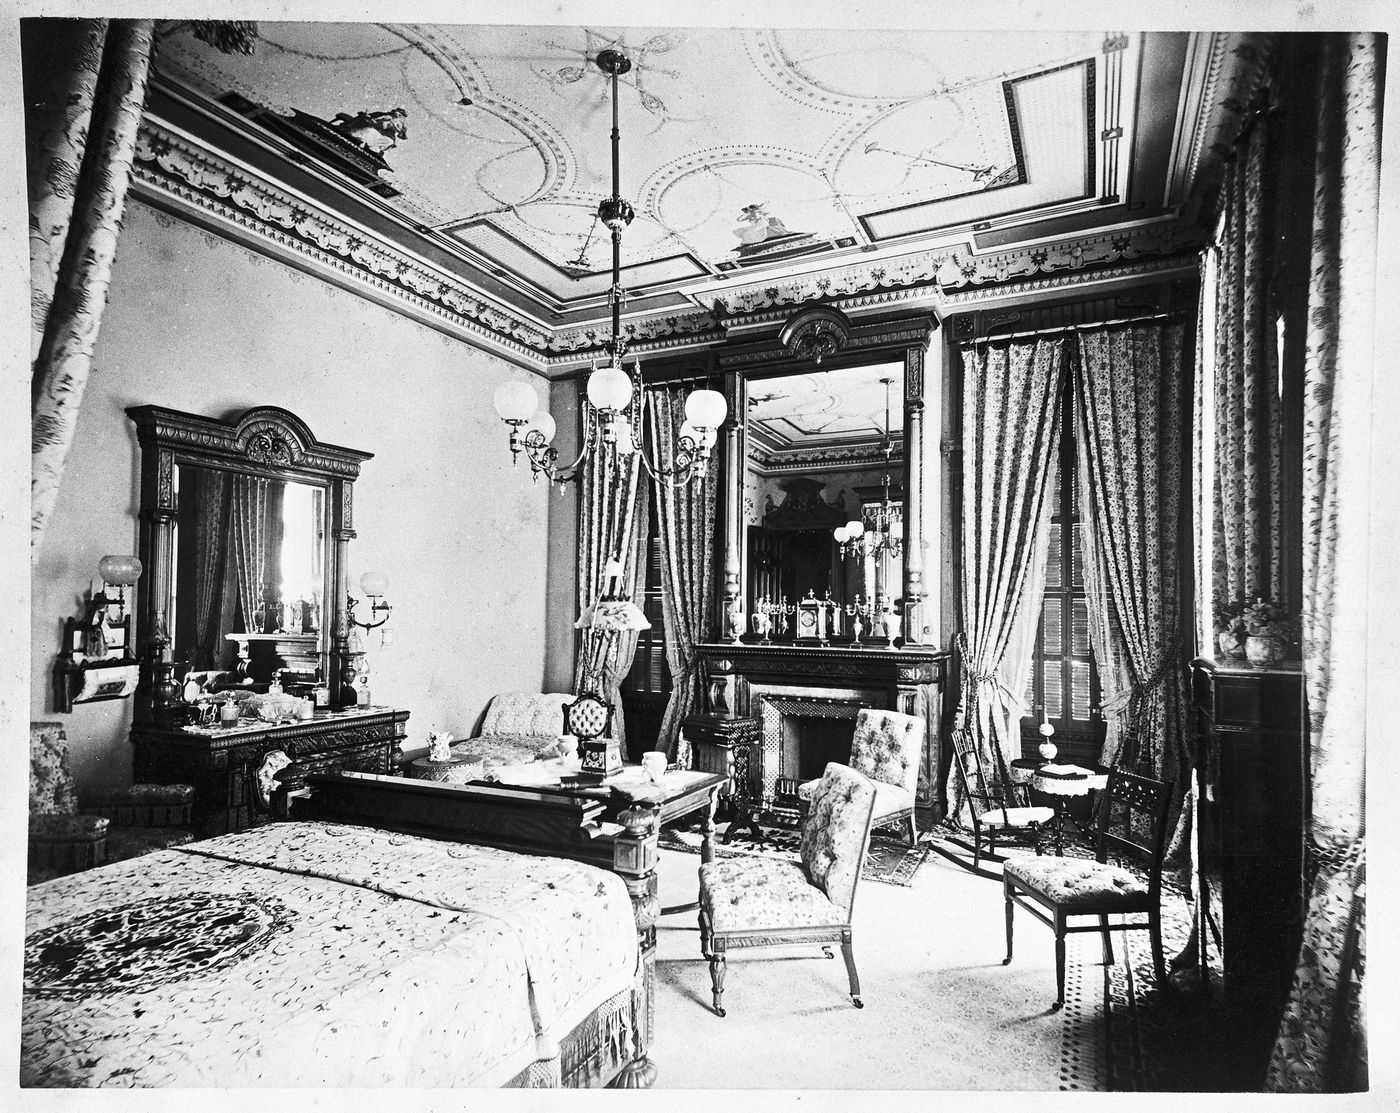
(264, 441)
(856, 343)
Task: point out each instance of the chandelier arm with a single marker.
(572, 469)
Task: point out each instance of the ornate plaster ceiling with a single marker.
(848, 138)
(837, 417)
(764, 165)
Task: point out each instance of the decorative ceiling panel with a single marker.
(738, 147)
(460, 166)
(824, 409)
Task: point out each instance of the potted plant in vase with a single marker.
(1268, 632)
(1230, 631)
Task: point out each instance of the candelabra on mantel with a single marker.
(770, 617)
(861, 609)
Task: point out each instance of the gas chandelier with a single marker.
(615, 409)
(855, 540)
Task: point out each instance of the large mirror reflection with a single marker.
(823, 505)
(249, 577)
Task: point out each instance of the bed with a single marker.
(386, 933)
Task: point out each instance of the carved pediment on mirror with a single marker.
(245, 526)
(804, 507)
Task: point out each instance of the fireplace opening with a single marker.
(809, 742)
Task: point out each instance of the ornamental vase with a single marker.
(891, 624)
(1261, 649)
(1230, 643)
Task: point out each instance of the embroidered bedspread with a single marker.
(303, 954)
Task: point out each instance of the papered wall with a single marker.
(200, 324)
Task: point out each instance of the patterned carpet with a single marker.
(1122, 1032)
(890, 860)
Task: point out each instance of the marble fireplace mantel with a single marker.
(746, 678)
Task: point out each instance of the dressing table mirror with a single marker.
(245, 527)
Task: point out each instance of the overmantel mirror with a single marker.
(823, 519)
(245, 529)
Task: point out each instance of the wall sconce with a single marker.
(375, 585)
(119, 572)
(96, 662)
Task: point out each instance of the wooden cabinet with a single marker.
(1252, 732)
(222, 763)
(722, 744)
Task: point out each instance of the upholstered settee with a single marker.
(520, 727)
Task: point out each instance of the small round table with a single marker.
(455, 770)
(1022, 772)
(1065, 783)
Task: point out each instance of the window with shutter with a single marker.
(1064, 682)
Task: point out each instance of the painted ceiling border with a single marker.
(191, 180)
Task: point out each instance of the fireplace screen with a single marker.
(803, 729)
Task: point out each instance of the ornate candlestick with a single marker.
(860, 609)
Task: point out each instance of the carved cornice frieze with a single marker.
(198, 178)
(639, 332)
(183, 176)
(964, 299)
(823, 459)
(952, 270)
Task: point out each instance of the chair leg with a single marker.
(1010, 914)
(717, 975)
(1059, 963)
(1107, 940)
(976, 847)
(1159, 966)
(913, 833)
(704, 932)
(850, 958)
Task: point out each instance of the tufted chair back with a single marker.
(886, 747)
(836, 833)
(51, 790)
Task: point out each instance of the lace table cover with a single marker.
(303, 954)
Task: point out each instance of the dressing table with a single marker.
(245, 533)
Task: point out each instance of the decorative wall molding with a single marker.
(197, 183)
(194, 178)
(961, 268)
(838, 457)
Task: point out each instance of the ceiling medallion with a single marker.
(816, 333)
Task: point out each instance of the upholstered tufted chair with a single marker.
(64, 838)
(755, 901)
(886, 747)
(1132, 821)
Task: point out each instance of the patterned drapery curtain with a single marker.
(1010, 441)
(211, 526)
(686, 527)
(612, 526)
(255, 512)
(85, 84)
(1129, 391)
(1321, 1041)
(1247, 517)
